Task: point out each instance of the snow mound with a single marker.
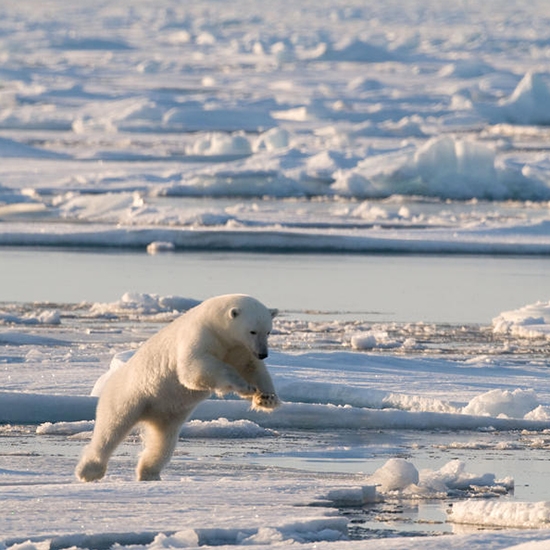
(354, 50)
(503, 403)
(466, 68)
(373, 339)
(531, 321)
(276, 138)
(445, 167)
(65, 428)
(529, 102)
(219, 144)
(496, 513)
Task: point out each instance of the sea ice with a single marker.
(261, 126)
(530, 321)
(396, 475)
(528, 103)
(512, 404)
(498, 513)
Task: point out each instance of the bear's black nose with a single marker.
(262, 355)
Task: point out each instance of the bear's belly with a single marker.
(172, 401)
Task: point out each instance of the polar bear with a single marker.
(217, 346)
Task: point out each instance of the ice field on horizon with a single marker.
(417, 129)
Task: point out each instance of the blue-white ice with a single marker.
(327, 128)
(417, 126)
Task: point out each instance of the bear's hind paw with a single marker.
(91, 470)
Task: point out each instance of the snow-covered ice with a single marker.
(530, 321)
(356, 431)
(417, 127)
(141, 123)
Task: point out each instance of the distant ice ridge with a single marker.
(445, 167)
(48, 317)
(143, 303)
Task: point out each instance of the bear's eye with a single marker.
(253, 332)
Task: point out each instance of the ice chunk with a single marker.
(498, 513)
(504, 403)
(396, 475)
(453, 476)
(531, 321)
(352, 496)
(400, 475)
(160, 246)
(276, 138)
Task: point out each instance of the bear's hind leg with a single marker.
(109, 432)
(160, 439)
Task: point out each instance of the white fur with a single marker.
(218, 346)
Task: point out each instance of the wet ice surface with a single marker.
(298, 457)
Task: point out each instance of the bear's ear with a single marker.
(234, 312)
(274, 312)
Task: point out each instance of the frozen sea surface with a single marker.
(417, 128)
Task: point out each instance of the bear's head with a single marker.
(251, 323)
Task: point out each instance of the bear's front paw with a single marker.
(265, 402)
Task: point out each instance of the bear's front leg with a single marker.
(256, 373)
(211, 374)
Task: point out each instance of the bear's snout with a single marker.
(262, 355)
